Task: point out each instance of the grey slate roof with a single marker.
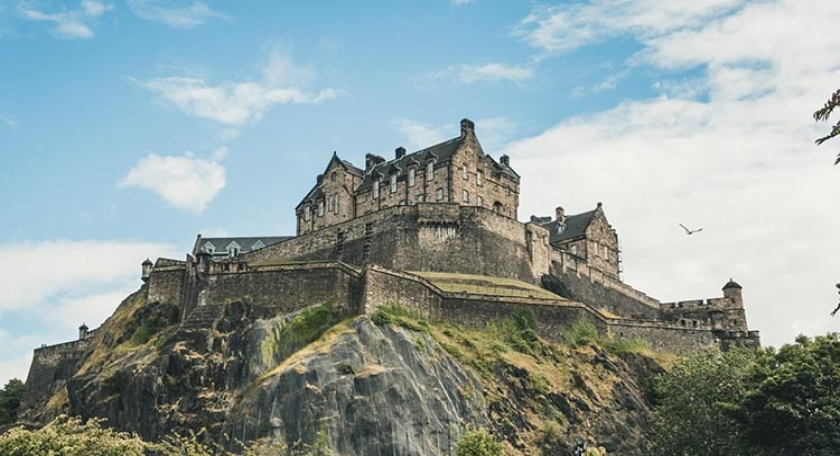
(575, 227)
(245, 243)
(440, 152)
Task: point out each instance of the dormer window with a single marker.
(233, 249)
(430, 170)
(411, 176)
(376, 189)
(393, 183)
(209, 248)
(464, 173)
(257, 245)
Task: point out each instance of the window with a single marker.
(331, 203)
(307, 213)
(336, 204)
(464, 172)
(321, 208)
(332, 176)
(233, 249)
(574, 250)
(393, 183)
(430, 171)
(375, 189)
(466, 196)
(439, 194)
(606, 253)
(411, 172)
(479, 177)
(420, 198)
(257, 245)
(479, 201)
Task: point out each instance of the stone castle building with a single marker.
(437, 230)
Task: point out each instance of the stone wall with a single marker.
(666, 337)
(51, 367)
(586, 284)
(166, 282)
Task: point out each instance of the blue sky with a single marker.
(127, 127)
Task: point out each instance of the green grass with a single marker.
(485, 285)
(306, 327)
(621, 345)
(582, 333)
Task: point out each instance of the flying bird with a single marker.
(836, 309)
(690, 232)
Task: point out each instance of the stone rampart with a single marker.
(51, 366)
(166, 282)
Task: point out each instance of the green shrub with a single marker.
(621, 345)
(550, 433)
(519, 331)
(582, 333)
(69, 437)
(478, 443)
(397, 314)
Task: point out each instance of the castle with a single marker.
(438, 231)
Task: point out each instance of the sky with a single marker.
(127, 127)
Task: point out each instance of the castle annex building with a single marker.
(437, 230)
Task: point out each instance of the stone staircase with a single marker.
(203, 317)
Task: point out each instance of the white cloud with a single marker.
(609, 83)
(237, 103)
(469, 74)
(418, 134)
(51, 287)
(740, 163)
(35, 273)
(574, 24)
(178, 14)
(75, 24)
(187, 182)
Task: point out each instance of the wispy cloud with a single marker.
(418, 134)
(608, 83)
(574, 24)
(235, 104)
(187, 182)
(493, 132)
(469, 74)
(9, 120)
(739, 161)
(74, 23)
(178, 14)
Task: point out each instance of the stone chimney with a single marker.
(372, 160)
(505, 160)
(83, 332)
(467, 128)
(399, 152)
(560, 214)
(146, 270)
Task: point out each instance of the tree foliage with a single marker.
(10, 397)
(478, 443)
(792, 407)
(69, 437)
(823, 114)
(690, 417)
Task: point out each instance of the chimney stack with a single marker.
(560, 214)
(372, 160)
(399, 152)
(320, 179)
(467, 128)
(505, 160)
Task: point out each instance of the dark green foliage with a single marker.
(520, 331)
(10, 397)
(793, 405)
(397, 314)
(691, 416)
(824, 113)
(478, 443)
(306, 327)
(582, 333)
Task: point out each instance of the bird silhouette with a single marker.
(836, 309)
(690, 232)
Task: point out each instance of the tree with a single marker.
(690, 410)
(793, 405)
(478, 443)
(10, 397)
(69, 437)
(823, 114)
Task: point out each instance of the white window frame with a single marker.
(411, 176)
(479, 177)
(393, 183)
(376, 189)
(439, 194)
(336, 204)
(430, 170)
(464, 172)
(321, 208)
(479, 201)
(466, 197)
(573, 249)
(307, 213)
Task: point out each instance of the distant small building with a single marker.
(221, 247)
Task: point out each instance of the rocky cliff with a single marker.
(389, 384)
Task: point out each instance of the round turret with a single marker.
(83, 332)
(733, 291)
(146, 270)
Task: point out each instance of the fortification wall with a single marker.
(284, 289)
(586, 284)
(665, 337)
(51, 367)
(425, 237)
(166, 282)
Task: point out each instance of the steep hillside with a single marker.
(391, 384)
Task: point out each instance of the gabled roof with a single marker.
(245, 243)
(575, 227)
(440, 152)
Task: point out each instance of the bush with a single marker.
(478, 443)
(519, 331)
(621, 345)
(397, 314)
(10, 397)
(582, 333)
(69, 437)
